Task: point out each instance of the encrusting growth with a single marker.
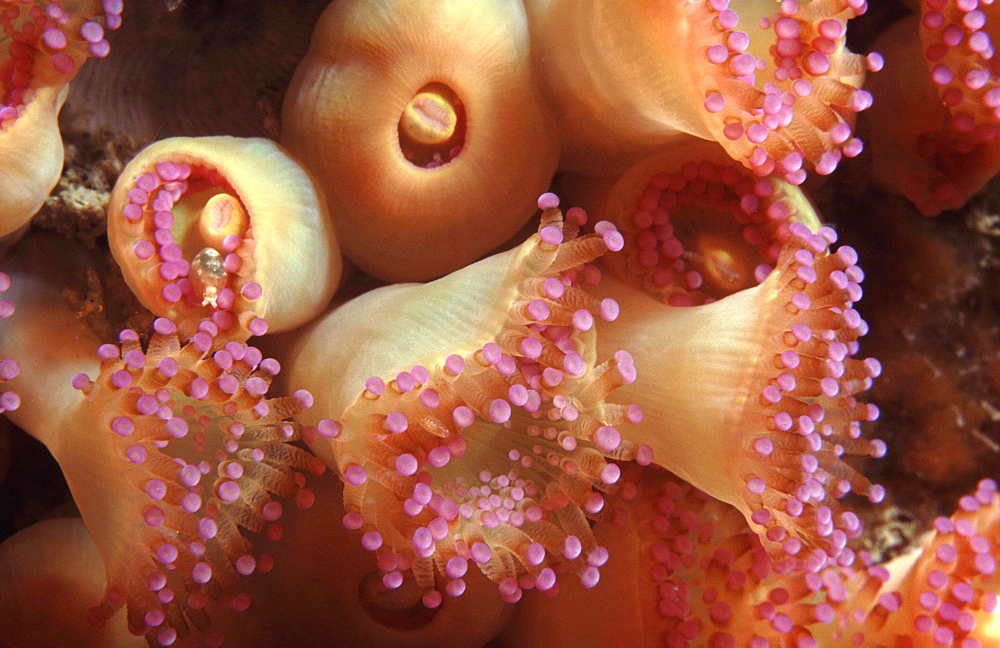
(472, 428)
(752, 398)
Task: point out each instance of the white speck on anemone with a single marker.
(423, 124)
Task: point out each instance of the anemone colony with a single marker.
(639, 410)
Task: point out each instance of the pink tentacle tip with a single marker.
(548, 200)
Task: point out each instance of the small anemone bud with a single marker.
(698, 226)
(753, 397)
(50, 574)
(202, 225)
(423, 124)
(473, 426)
(40, 53)
(773, 83)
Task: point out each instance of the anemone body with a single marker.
(774, 84)
(752, 398)
(424, 126)
(472, 424)
(223, 224)
(50, 575)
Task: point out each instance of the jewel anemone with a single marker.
(942, 154)
(685, 570)
(172, 452)
(424, 126)
(42, 46)
(943, 592)
(223, 225)
(326, 587)
(774, 83)
(471, 423)
(697, 226)
(752, 398)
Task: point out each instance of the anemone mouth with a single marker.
(202, 451)
(197, 235)
(432, 127)
(704, 231)
(782, 92)
(400, 607)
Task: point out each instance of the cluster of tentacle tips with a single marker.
(9, 400)
(46, 42)
(812, 415)
(761, 102)
(204, 452)
(498, 454)
(958, 46)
